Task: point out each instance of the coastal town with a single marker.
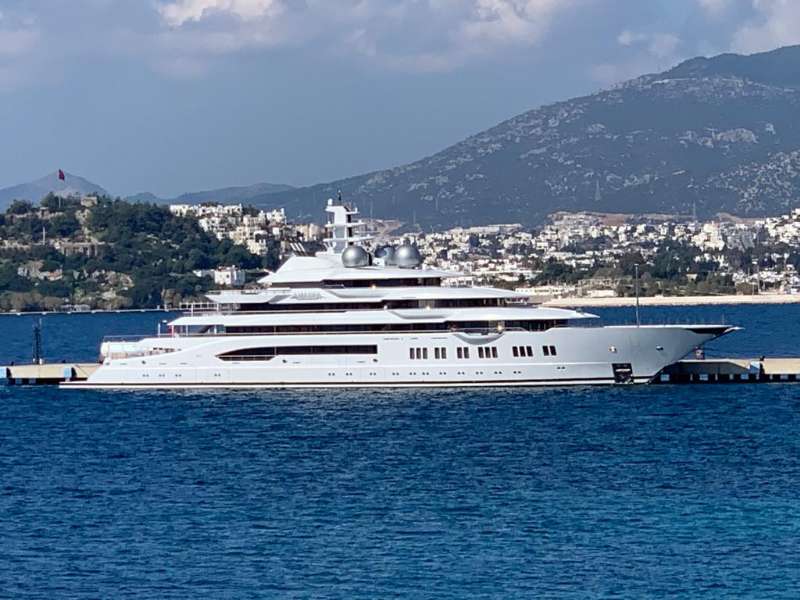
(574, 255)
(63, 254)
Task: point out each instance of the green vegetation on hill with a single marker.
(112, 254)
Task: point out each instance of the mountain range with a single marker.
(74, 185)
(710, 135)
(71, 185)
(245, 194)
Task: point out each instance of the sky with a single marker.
(169, 96)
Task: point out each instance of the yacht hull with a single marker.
(565, 356)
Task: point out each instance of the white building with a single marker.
(229, 277)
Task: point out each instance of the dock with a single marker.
(732, 370)
(47, 374)
(703, 371)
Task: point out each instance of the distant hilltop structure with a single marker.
(71, 186)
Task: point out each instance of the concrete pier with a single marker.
(47, 374)
(732, 370)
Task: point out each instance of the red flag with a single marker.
(61, 175)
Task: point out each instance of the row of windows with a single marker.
(422, 353)
(361, 328)
(362, 283)
(388, 304)
(487, 352)
(518, 351)
(267, 353)
(439, 353)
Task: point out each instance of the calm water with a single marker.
(616, 492)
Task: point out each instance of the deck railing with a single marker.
(474, 331)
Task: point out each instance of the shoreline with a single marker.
(628, 302)
(576, 302)
(42, 313)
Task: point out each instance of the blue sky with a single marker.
(177, 95)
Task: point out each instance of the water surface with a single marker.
(661, 491)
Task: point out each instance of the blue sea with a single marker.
(633, 492)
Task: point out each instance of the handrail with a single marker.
(481, 331)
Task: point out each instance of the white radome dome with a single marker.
(354, 257)
(407, 256)
(385, 253)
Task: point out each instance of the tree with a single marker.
(19, 207)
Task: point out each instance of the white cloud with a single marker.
(715, 8)
(776, 24)
(20, 40)
(178, 12)
(660, 45)
(415, 34)
(647, 53)
(16, 42)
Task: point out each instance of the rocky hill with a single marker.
(243, 194)
(710, 135)
(72, 185)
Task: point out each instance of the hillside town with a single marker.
(575, 254)
(585, 254)
(93, 252)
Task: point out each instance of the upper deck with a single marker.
(346, 277)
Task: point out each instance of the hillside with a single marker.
(243, 194)
(112, 254)
(34, 191)
(709, 135)
(74, 185)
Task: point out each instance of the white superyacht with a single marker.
(348, 318)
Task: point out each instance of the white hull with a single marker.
(584, 356)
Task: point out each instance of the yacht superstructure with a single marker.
(350, 318)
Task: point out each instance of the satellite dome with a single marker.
(355, 256)
(385, 253)
(407, 256)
